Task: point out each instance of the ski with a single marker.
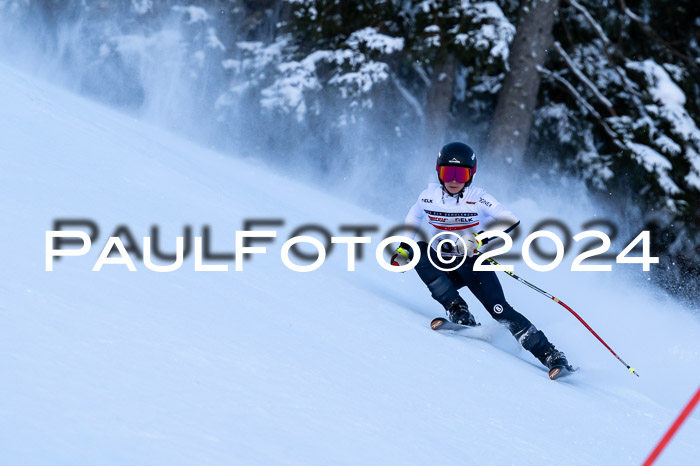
(495, 336)
(476, 332)
(440, 323)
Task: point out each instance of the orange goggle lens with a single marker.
(458, 174)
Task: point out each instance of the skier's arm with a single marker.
(413, 220)
(502, 217)
(505, 217)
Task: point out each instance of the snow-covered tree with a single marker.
(619, 105)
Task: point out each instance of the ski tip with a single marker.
(437, 323)
(558, 372)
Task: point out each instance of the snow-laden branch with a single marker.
(589, 19)
(584, 79)
(607, 44)
(586, 106)
(653, 35)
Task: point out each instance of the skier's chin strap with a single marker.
(458, 195)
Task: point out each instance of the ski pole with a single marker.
(673, 429)
(557, 300)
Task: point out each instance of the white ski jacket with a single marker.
(465, 212)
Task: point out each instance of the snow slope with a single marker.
(270, 366)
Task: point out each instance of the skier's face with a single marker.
(453, 187)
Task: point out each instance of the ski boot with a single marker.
(556, 362)
(458, 312)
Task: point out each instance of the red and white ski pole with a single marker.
(557, 300)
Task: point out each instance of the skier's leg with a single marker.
(441, 287)
(487, 289)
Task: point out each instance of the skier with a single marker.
(456, 206)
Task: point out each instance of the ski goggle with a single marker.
(458, 174)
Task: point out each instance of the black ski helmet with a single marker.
(456, 154)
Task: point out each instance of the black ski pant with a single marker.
(486, 288)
